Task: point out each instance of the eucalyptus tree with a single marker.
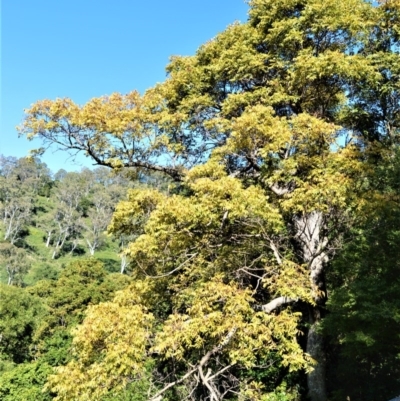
(33, 173)
(66, 222)
(15, 262)
(98, 218)
(16, 201)
(16, 209)
(21, 180)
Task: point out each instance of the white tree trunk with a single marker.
(124, 263)
(48, 239)
(53, 256)
(309, 229)
(10, 276)
(92, 247)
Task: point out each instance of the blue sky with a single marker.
(86, 48)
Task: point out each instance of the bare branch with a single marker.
(158, 396)
(214, 396)
(204, 360)
(276, 303)
(220, 372)
(276, 252)
(277, 190)
(172, 271)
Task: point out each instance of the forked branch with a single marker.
(199, 368)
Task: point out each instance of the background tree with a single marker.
(35, 325)
(15, 207)
(19, 318)
(81, 283)
(364, 306)
(98, 217)
(25, 382)
(34, 174)
(15, 262)
(21, 180)
(69, 195)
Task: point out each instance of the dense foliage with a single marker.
(268, 267)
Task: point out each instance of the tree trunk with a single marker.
(10, 276)
(92, 247)
(316, 380)
(124, 263)
(74, 245)
(48, 239)
(309, 232)
(56, 248)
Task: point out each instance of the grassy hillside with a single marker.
(39, 257)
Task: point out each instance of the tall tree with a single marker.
(98, 218)
(21, 180)
(363, 320)
(19, 317)
(34, 174)
(271, 129)
(66, 224)
(15, 262)
(15, 206)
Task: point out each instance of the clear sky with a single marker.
(86, 48)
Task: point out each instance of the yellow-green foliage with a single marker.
(211, 295)
(212, 311)
(110, 349)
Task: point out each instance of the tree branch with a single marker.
(158, 396)
(204, 360)
(172, 271)
(277, 190)
(276, 252)
(276, 303)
